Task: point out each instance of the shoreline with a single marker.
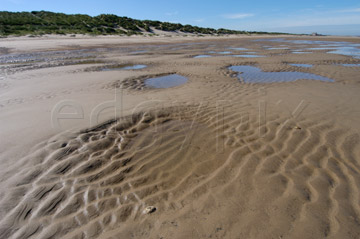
(24, 44)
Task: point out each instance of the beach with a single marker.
(90, 149)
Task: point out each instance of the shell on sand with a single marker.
(149, 210)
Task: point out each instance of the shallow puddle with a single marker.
(334, 47)
(351, 65)
(301, 52)
(251, 74)
(238, 48)
(347, 51)
(133, 67)
(220, 52)
(302, 65)
(224, 52)
(278, 48)
(202, 56)
(166, 81)
(321, 48)
(248, 56)
(139, 52)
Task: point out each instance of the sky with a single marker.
(306, 16)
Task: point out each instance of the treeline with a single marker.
(43, 22)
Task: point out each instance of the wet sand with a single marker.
(214, 157)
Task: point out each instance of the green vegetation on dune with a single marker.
(43, 22)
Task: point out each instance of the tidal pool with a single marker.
(139, 52)
(202, 56)
(166, 81)
(133, 67)
(278, 48)
(347, 51)
(220, 52)
(351, 65)
(301, 52)
(321, 48)
(333, 47)
(224, 52)
(252, 74)
(302, 65)
(248, 56)
(238, 48)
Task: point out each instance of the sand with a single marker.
(212, 158)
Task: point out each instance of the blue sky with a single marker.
(305, 16)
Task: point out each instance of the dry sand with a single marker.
(214, 158)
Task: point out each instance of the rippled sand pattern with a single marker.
(103, 178)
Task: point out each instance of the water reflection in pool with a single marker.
(334, 47)
(248, 56)
(131, 67)
(202, 56)
(166, 81)
(302, 65)
(251, 74)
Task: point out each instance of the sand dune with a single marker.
(217, 158)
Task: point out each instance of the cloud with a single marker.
(314, 21)
(237, 15)
(171, 13)
(305, 18)
(310, 19)
(199, 20)
(288, 23)
(350, 10)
